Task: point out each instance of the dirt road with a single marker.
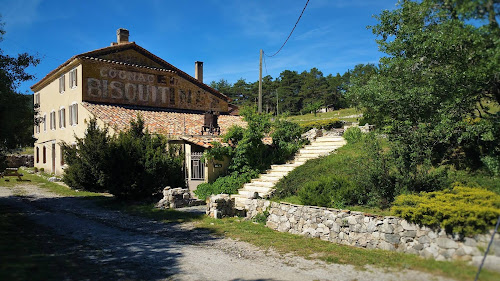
(134, 248)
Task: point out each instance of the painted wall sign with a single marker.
(111, 83)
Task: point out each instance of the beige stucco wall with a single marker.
(52, 100)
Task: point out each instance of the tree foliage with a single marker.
(249, 155)
(296, 93)
(132, 165)
(16, 109)
(441, 71)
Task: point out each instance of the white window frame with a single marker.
(73, 78)
(62, 85)
(62, 117)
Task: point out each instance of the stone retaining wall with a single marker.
(370, 231)
(18, 160)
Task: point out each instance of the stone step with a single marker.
(282, 168)
(317, 148)
(250, 193)
(272, 177)
(260, 183)
(329, 139)
(315, 151)
(239, 201)
(262, 178)
(275, 173)
(256, 188)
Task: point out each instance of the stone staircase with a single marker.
(264, 185)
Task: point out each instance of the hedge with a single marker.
(463, 210)
(322, 124)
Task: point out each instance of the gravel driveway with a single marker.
(135, 248)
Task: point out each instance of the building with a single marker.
(115, 84)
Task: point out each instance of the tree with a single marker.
(16, 109)
(439, 71)
(132, 165)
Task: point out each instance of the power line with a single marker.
(289, 35)
(265, 64)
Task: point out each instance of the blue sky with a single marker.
(225, 35)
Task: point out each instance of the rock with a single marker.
(491, 262)
(473, 251)
(54, 179)
(409, 233)
(392, 238)
(424, 240)
(386, 246)
(470, 242)
(386, 228)
(271, 225)
(408, 226)
(418, 247)
(446, 243)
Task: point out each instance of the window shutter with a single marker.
(75, 77)
(71, 115)
(76, 113)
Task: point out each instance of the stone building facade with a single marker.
(115, 84)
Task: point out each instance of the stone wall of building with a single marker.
(373, 232)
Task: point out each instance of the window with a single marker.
(197, 166)
(44, 122)
(73, 78)
(73, 114)
(37, 98)
(53, 120)
(62, 117)
(61, 84)
(37, 154)
(44, 155)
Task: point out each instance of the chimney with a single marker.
(122, 36)
(198, 71)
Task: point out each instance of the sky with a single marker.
(226, 35)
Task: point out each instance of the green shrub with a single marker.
(251, 156)
(287, 140)
(327, 191)
(322, 124)
(88, 160)
(463, 210)
(261, 218)
(353, 135)
(227, 185)
(133, 165)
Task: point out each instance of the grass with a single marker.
(235, 228)
(294, 199)
(310, 248)
(41, 181)
(340, 114)
(476, 178)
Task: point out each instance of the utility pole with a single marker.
(260, 82)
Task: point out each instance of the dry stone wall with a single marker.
(373, 232)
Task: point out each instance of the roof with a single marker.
(127, 46)
(206, 141)
(165, 122)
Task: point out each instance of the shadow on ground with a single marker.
(74, 238)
